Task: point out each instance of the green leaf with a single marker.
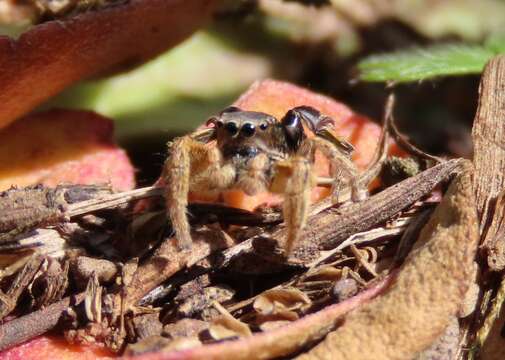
(496, 43)
(424, 63)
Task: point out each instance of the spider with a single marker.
(254, 152)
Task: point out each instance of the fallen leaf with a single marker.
(446, 346)
(61, 146)
(50, 56)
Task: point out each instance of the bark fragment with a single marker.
(489, 160)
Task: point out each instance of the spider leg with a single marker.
(341, 165)
(297, 181)
(335, 149)
(191, 165)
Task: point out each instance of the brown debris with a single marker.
(25, 209)
(93, 300)
(344, 289)
(51, 283)
(489, 160)
(167, 260)
(281, 303)
(193, 287)
(490, 338)
(427, 293)
(494, 237)
(146, 345)
(185, 328)
(147, 325)
(8, 301)
(200, 304)
(36, 323)
(83, 267)
(287, 339)
(92, 333)
(38, 206)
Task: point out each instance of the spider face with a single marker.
(246, 134)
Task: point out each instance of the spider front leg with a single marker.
(191, 165)
(295, 179)
(336, 150)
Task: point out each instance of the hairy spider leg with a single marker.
(294, 178)
(191, 166)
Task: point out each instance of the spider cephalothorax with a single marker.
(254, 152)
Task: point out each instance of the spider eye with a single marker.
(263, 126)
(248, 129)
(231, 127)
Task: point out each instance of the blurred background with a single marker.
(316, 44)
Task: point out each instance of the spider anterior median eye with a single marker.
(248, 129)
(231, 127)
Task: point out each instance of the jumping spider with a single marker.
(255, 152)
